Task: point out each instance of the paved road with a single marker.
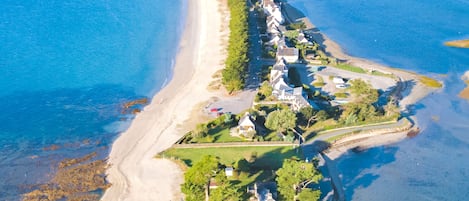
(311, 147)
(255, 50)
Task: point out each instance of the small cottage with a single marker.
(246, 125)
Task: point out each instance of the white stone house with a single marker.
(270, 20)
(278, 70)
(273, 29)
(302, 39)
(246, 125)
(272, 9)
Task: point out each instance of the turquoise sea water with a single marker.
(409, 35)
(65, 69)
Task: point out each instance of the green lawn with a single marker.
(262, 161)
(266, 157)
(348, 67)
(379, 73)
(222, 134)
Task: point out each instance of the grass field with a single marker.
(262, 157)
(262, 161)
(222, 134)
(348, 67)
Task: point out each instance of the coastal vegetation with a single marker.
(430, 82)
(458, 43)
(233, 76)
(216, 130)
(349, 67)
(282, 165)
(197, 182)
(294, 178)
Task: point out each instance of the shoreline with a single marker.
(410, 88)
(134, 172)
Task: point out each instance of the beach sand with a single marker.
(134, 172)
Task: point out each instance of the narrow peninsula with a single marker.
(295, 103)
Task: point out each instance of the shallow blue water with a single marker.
(407, 34)
(65, 69)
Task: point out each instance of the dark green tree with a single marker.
(197, 178)
(225, 191)
(294, 177)
(281, 120)
(265, 89)
(309, 195)
(363, 92)
(233, 76)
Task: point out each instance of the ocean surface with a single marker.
(66, 68)
(407, 34)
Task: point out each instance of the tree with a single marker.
(233, 76)
(358, 112)
(281, 120)
(322, 115)
(306, 115)
(309, 195)
(294, 177)
(201, 130)
(391, 109)
(363, 91)
(197, 178)
(225, 191)
(265, 89)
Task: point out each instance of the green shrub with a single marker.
(430, 82)
(341, 95)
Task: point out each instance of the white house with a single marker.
(273, 29)
(271, 20)
(272, 9)
(279, 69)
(302, 39)
(290, 54)
(246, 125)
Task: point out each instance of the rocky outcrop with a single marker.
(76, 179)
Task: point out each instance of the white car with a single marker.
(340, 86)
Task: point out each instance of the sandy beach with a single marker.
(134, 172)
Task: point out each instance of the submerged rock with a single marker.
(465, 92)
(76, 179)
